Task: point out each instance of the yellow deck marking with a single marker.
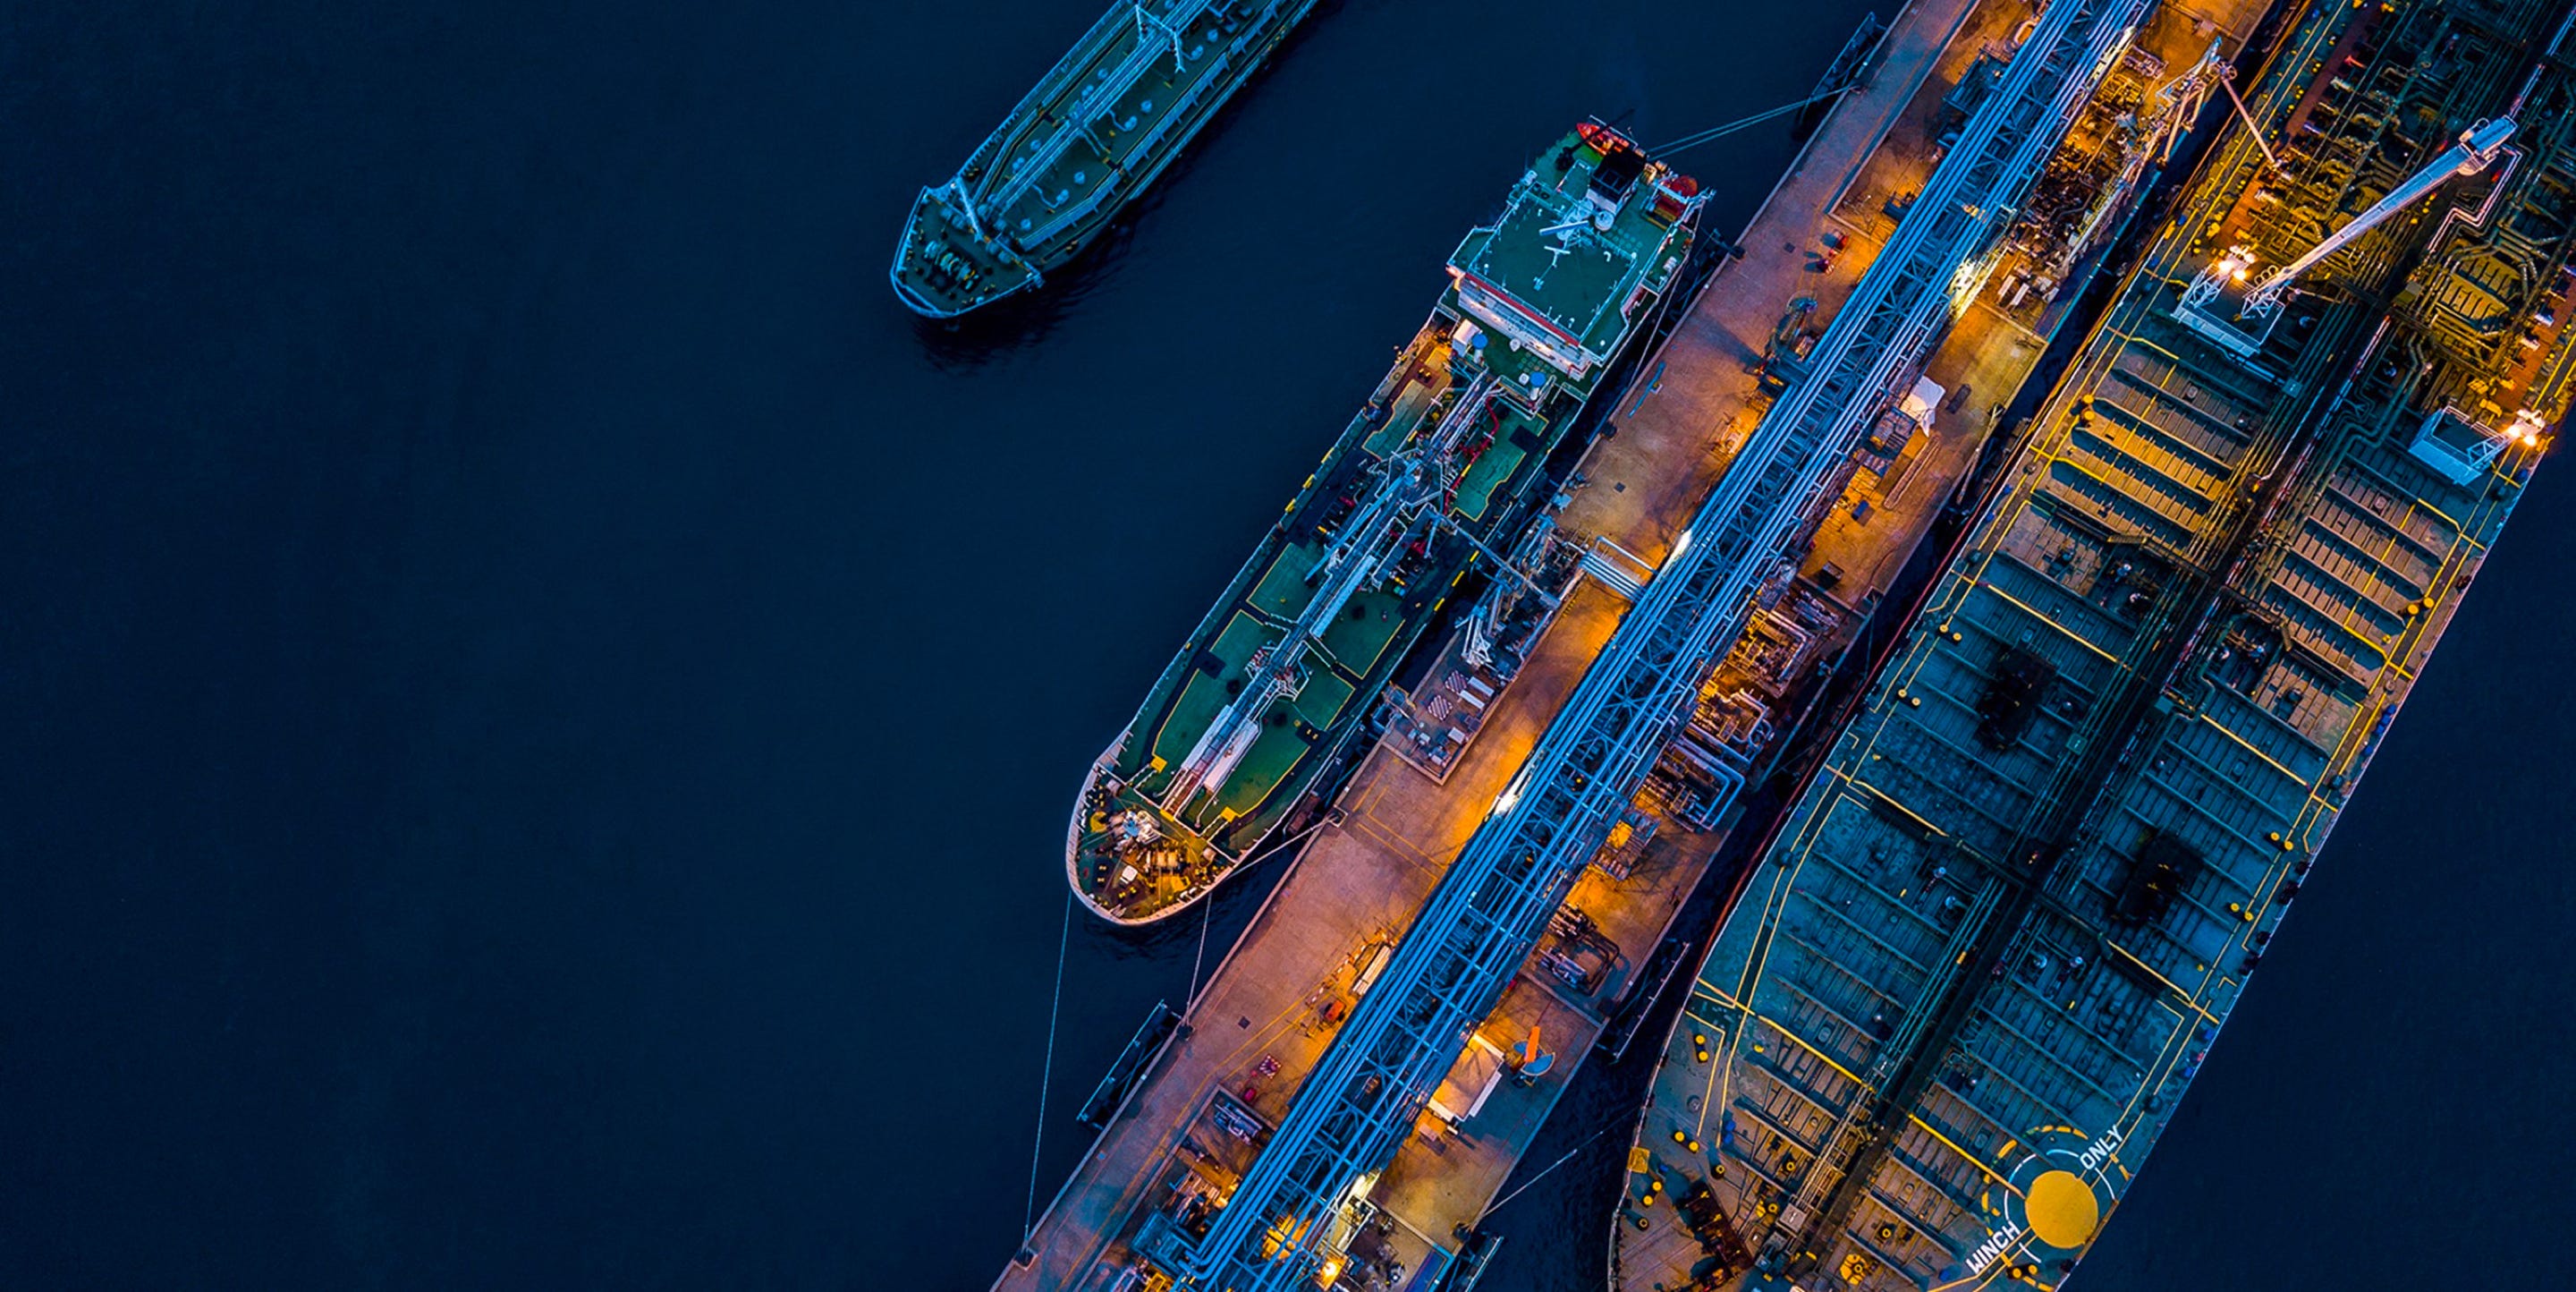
(2063, 1211)
(1972, 1159)
(2069, 633)
(2293, 777)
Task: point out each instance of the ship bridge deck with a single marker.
(1548, 255)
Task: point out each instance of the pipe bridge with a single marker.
(1305, 1194)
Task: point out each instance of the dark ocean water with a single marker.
(541, 706)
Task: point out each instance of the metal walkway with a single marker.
(1304, 1196)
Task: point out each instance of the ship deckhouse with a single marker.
(1562, 274)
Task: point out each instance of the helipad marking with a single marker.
(2063, 1211)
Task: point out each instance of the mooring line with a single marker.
(1207, 916)
(1046, 1073)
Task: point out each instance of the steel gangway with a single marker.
(1302, 1198)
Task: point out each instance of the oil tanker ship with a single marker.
(1441, 469)
(1964, 985)
(1094, 133)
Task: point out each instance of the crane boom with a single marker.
(2477, 148)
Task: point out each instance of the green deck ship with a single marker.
(1094, 133)
(1441, 468)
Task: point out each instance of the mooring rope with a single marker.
(1207, 916)
(1506, 1199)
(1046, 1073)
(1718, 132)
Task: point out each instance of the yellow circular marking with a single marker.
(2063, 1210)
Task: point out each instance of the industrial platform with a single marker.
(1216, 1096)
(1968, 981)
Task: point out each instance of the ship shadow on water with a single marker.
(963, 345)
(967, 344)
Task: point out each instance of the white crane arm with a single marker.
(2477, 148)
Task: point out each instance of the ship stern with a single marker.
(947, 264)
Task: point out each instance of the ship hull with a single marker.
(1073, 845)
(1966, 982)
(1095, 133)
(1414, 616)
(1446, 466)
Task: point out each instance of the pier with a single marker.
(1324, 954)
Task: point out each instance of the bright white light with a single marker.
(1965, 282)
(1511, 794)
(1680, 545)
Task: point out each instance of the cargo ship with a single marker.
(1357, 1083)
(1965, 983)
(1445, 463)
(1096, 132)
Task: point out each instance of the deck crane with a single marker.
(1410, 499)
(2178, 103)
(1361, 556)
(2478, 147)
(2175, 106)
